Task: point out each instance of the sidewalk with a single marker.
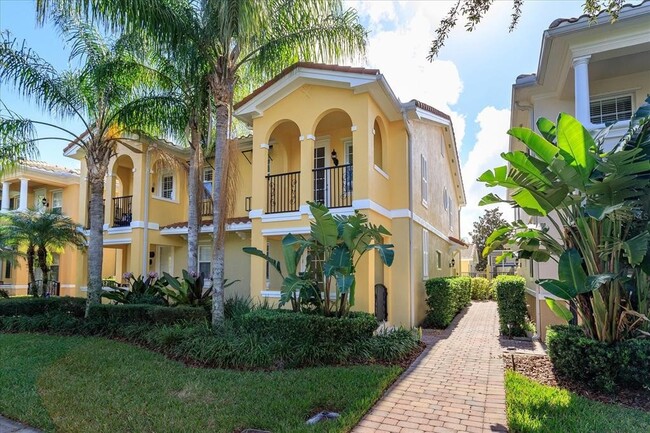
(8, 426)
(456, 385)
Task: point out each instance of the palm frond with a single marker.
(17, 142)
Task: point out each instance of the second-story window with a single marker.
(57, 202)
(612, 109)
(167, 185)
(208, 174)
(424, 168)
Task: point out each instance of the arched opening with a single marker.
(283, 168)
(333, 159)
(122, 191)
(378, 145)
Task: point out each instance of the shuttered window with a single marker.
(613, 109)
(425, 180)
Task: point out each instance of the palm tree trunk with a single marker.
(223, 99)
(195, 200)
(30, 269)
(42, 263)
(96, 173)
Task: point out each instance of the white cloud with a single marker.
(491, 141)
(400, 54)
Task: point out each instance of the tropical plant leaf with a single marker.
(594, 282)
(575, 144)
(542, 148)
(491, 199)
(636, 248)
(526, 165)
(548, 131)
(559, 309)
(291, 253)
(558, 288)
(256, 252)
(498, 177)
(386, 252)
(570, 271)
(324, 229)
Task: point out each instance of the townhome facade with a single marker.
(331, 134)
(39, 185)
(598, 72)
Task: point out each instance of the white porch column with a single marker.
(581, 75)
(5, 196)
(24, 184)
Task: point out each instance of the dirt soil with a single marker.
(540, 369)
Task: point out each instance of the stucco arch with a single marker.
(334, 111)
(380, 143)
(122, 173)
(284, 139)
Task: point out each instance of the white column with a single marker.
(5, 196)
(24, 184)
(581, 75)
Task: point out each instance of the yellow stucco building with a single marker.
(333, 134)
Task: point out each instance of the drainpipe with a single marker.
(145, 237)
(409, 136)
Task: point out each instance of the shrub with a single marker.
(511, 301)
(481, 289)
(445, 298)
(75, 307)
(598, 364)
(310, 329)
(134, 313)
(237, 306)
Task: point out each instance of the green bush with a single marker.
(35, 306)
(309, 328)
(143, 313)
(511, 302)
(446, 297)
(481, 289)
(598, 364)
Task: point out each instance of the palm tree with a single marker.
(40, 233)
(238, 38)
(95, 94)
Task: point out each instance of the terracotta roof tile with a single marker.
(430, 109)
(560, 21)
(458, 241)
(310, 65)
(44, 166)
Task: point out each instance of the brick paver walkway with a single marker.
(456, 385)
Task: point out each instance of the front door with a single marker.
(320, 177)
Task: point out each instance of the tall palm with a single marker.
(95, 94)
(40, 233)
(238, 38)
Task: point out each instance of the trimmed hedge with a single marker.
(446, 297)
(481, 289)
(146, 313)
(308, 328)
(511, 302)
(598, 364)
(29, 306)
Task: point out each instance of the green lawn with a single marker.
(77, 384)
(536, 408)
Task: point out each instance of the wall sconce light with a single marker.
(45, 203)
(452, 263)
(335, 158)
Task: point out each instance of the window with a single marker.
(208, 174)
(57, 202)
(438, 259)
(167, 185)
(347, 175)
(205, 258)
(425, 254)
(445, 198)
(54, 268)
(425, 180)
(610, 109)
(378, 146)
(450, 205)
(8, 270)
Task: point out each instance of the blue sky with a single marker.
(471, 80)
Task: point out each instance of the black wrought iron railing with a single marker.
(333, 186)
(283, 192)
(122, 211)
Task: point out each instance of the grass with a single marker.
(536, 408)
(83, 384)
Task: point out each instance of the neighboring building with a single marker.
(468, 261)
(39, 185)
(597, 71)
(332, 134)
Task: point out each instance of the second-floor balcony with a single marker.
(332, 186)
(122, 211)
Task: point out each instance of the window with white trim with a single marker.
(610, 109)
(57, 201)
(205, 260)
(208, 174)
(167, 185)
(438, 259)
(424, 185)
(425, 253)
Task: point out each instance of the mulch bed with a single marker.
(540, 369)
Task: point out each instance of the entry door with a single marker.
(320, 177)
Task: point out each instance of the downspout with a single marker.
(409, 136)
(147, 194)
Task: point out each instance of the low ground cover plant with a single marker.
(511, 302)
(256, 338)
(446, 297)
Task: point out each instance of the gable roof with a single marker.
(559, 22)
